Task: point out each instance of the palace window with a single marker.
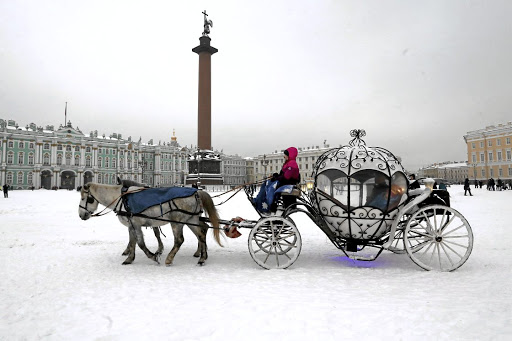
(31, 159)
(106, 162)
(483, 173)
(113, 152)
(46, 146)
(490, 156)
(88, 161)
(489, 143)
(509, 171)
(100, 178)
(498, 142)
(121, 163)
(509, 155)
(59, 159)
(10, 144)
(474, 158)
(473, 145)
(30, 178)
(499, 155)
(500, 172)
(87, 149)
(482, 158)
(46, 159)
(77, 160)
(21, 145)
(59, 147)
(68, 160)
(99, 162)
(492, 172)
(20, 158)
(121, 153)
(129, 164)
(19, 180)
(508, 140)
(68, 148)
(114, 163)
(31, 145)
(77, 148)
(9, 178)
(10, 158)
(481, 144)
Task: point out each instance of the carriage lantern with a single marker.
(358, 190)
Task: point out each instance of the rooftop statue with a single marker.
(207, 24)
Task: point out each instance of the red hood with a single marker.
(292, 153)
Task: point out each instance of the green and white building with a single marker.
(67, 158)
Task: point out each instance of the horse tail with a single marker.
(209, 206)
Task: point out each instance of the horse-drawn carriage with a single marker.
(361, 201)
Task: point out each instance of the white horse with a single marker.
(182, 211)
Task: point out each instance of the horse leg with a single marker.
(177, 230)
(200, 232)
(130, 249)
(140, 241)
(126, 251)
(156, 230)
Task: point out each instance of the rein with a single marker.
(238, 189)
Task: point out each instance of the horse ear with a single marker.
(86, 187)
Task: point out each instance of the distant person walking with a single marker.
(6, 191)
(467, 188)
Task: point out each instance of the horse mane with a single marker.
(129, 183)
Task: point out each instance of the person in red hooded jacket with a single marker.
(289, 174)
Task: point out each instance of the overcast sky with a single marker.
(416, 75)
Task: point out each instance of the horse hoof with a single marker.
(126, 263)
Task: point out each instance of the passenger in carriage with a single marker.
(289, 175)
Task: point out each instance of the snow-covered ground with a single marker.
(61, 278)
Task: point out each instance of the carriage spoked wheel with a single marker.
(438, 238)
(274, 243)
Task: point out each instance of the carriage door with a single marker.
(88, 177)
(46, 179)
(67, 180)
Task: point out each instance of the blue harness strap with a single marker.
(139, 201)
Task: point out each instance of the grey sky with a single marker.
(416, 75)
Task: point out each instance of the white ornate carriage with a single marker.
(360, 199)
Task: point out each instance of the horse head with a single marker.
(88, 203)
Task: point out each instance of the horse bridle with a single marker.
(90, 199)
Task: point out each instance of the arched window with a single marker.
(77, 160)
(88, 161)
(10, 144)
(10, 158)
(9, 178)
(21, 145)
(21, 156)
(68, 159)
(46, 159)
(31, 159)
(19, 180)
(59, 159)
(106, 162)
(30, 179)
(100, 178)
(114, 163)
(121, 163)
(87, 149)
(31, 145)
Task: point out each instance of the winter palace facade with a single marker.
(66, 158)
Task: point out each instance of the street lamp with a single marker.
(198, 158)
(142, 164)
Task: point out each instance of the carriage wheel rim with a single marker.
(274, 243)
(438, 238)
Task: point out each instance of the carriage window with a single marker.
(366, 188)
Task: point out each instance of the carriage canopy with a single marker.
(358, 189)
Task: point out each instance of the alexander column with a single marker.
(204, 165)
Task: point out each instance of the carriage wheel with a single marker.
(274, 243)
(438, 238)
